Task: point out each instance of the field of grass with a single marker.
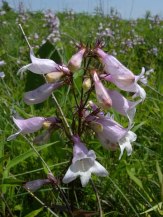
(134, 186)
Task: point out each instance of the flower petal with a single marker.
(122, 105)
(125, 143)
(139, 92)
(39, 66)
(98, 169)
(101, 92)
(41, 93)
(13, 136)
(85, 178)
(29, 125)
(69, 176)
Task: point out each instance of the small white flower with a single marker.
(83, 164)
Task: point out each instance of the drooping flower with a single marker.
(41, 93)
(76, 60)
(41, 66)
(122, 105)
(36, 184)
(101, 92)
(121, 76)
(83, 164)
(111, 134)
(26, 126)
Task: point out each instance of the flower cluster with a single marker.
(89, 115)
(52, 21)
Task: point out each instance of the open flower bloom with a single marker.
(101, 93)
(41, 66)
(26, 126)
(83, 164)
(122, 105)
(121, 76)
(76, 60)
(110, 134)
(41, 93)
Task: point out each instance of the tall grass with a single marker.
(135, 184)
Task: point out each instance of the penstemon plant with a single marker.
(90, 114)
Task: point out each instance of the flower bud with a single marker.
(36, 184)
(54, 76)
(76, 60)
(86, 84)
(101, 93)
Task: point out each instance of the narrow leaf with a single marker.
(34, 213)
(26, 155)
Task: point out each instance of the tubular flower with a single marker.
(76, 60)
(36, 184)
(122, 105)
(41, 93)
(121, 76)
(83, 164)
(110, 134)
(101, 93)
(41, 66)
(26, 126)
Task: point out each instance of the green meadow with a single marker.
(134, 186)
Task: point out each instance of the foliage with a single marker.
(135, 184)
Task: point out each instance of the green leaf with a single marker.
(135, 179)
(26, 155)
(160, 175)
(34, 213)
(48, 50)
(11, 181)
(135, 128)
(154, 208)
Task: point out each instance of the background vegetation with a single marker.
(135, 184)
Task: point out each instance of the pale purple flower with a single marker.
(122, 105)
(121, 76)
(36, 184)
(103, 97)
(39, 66)
(83, 164)
(111, 134)
(26, 126)
(76, 60)
(143, 77)
(41, 93)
